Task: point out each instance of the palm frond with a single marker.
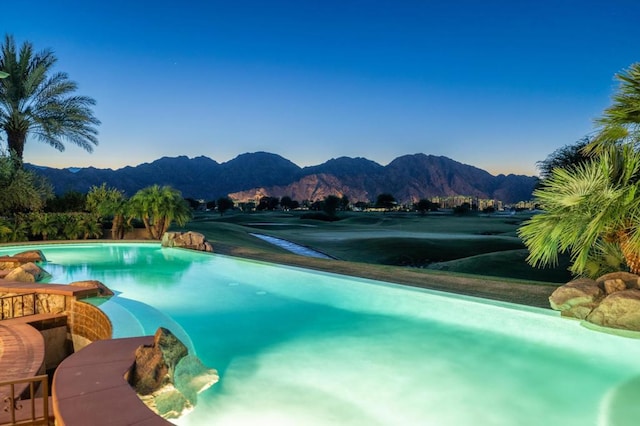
(35, 101)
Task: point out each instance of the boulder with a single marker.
(618, 310)
(31, 256)
(29, 272)
(577, 298)
(102, 289)
(630, 280)
(189, 240)
(166, 378)
(155, 364)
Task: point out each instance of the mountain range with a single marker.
(408, 178)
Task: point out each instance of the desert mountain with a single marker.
(251, 175)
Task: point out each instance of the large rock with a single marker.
(618, 310)
(102, 289)
(29, 272)
(167, 379)
(31, 256)
(189, 240)
(577, 298)
(155, 364)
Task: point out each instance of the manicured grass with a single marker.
(510, 263)
(410, 251)
(229, 234)
(475, 244)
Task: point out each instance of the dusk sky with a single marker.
(495, 84)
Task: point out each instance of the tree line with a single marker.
(76, 215)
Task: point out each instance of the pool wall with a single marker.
(87, 324)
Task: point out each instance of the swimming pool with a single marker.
(295, 347)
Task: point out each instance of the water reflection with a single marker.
(117, 264)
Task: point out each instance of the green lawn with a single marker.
(475, 244)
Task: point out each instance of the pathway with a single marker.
(292, 247)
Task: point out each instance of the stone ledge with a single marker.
(91, 387)
(61, 289)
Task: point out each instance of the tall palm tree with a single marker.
(37, 102)
(158, 207)
(592, 211)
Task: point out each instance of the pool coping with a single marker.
(91, 386)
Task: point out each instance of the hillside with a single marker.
(409, 178)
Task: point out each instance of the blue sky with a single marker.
(495, 84)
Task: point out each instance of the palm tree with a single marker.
(90, 226)
(107, 201)
(36, 102)
(158, 207)
(19, 229)
(45, 224)
(620, 122)
(592, 211)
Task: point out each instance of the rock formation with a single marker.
(29, 272)
(189, 240)
(22, 266)
(613, 300)
(167, 378)
(577, 298)
(31, 256)
(618, 310)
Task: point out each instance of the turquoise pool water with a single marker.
(295, 347)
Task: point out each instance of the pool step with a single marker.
(131, 318)
(123, 321)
